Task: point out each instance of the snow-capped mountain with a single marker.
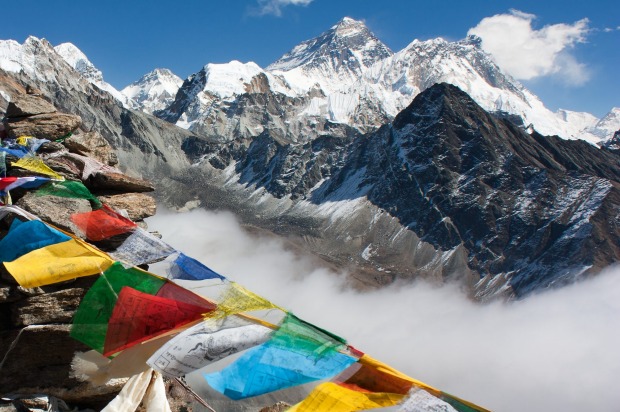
(155, 90)
(78, 60)
(605, 127)
(337, 58)
(445, 190)
(347, 76)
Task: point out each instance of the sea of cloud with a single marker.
(555, 351)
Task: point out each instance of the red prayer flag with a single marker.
(102, 223)
(139, 316)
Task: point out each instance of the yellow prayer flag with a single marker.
(332, 397)
(57, 263)
(237, 299)
(35, 164)
(382, 367)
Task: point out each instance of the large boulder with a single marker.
(54, 209)
(138, 205)
(44, 126)
(92, 144)
(120, 182)
(26, 105)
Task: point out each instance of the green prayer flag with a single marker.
(90, 323)
(69, 189)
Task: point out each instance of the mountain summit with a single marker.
(345, 50)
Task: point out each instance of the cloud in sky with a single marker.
(275, 6)
(553, 351)
(527, 53)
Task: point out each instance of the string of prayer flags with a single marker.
(69, 189)
(36, 165)
(57, 263)
(102, 224)
(237, 299)
(142, 247)
(205, 343)
(139, 316)
(25, 237)
(297, 353)
(112, 315)
(187, 268)
(333, 397)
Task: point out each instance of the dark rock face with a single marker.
(533, 207)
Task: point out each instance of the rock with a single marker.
(41, 358)
(92, 144)
(120, 182)
(278, 407)
(137, 205)
(54, 209)
(68, 167)
(45, 126)
(28, 105)
(51, 147)
(55, 307)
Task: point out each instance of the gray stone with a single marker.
(55, 210)
(55, 307)
(138, 205)
(51, 147)
(120, 182)
(28, 105)
(92, 144)
(44, 126)
(40, 362)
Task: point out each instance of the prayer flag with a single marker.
(140, 316)
(90, 322)
(332, 397)
(207, 342)
(102, 224)
(69, 189)
(187, 268)
(297, 353)
(142, 247)
(24, 237)
(57, 263)
(36, 165)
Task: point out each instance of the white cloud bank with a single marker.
(526, 53)
(275, 6)
(557, 351)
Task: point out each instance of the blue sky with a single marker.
(126, 39)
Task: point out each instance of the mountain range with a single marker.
(428, 162)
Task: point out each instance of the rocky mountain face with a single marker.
(347, 76)
(455, 190)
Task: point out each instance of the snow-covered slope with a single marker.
(348, 76)
(604, 129)
(78, 60)
(155, 90)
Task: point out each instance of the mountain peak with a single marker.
(347, 47)
(78, 60)
(348, 26)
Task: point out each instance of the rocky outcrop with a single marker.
(35, 347)
(30, 115)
